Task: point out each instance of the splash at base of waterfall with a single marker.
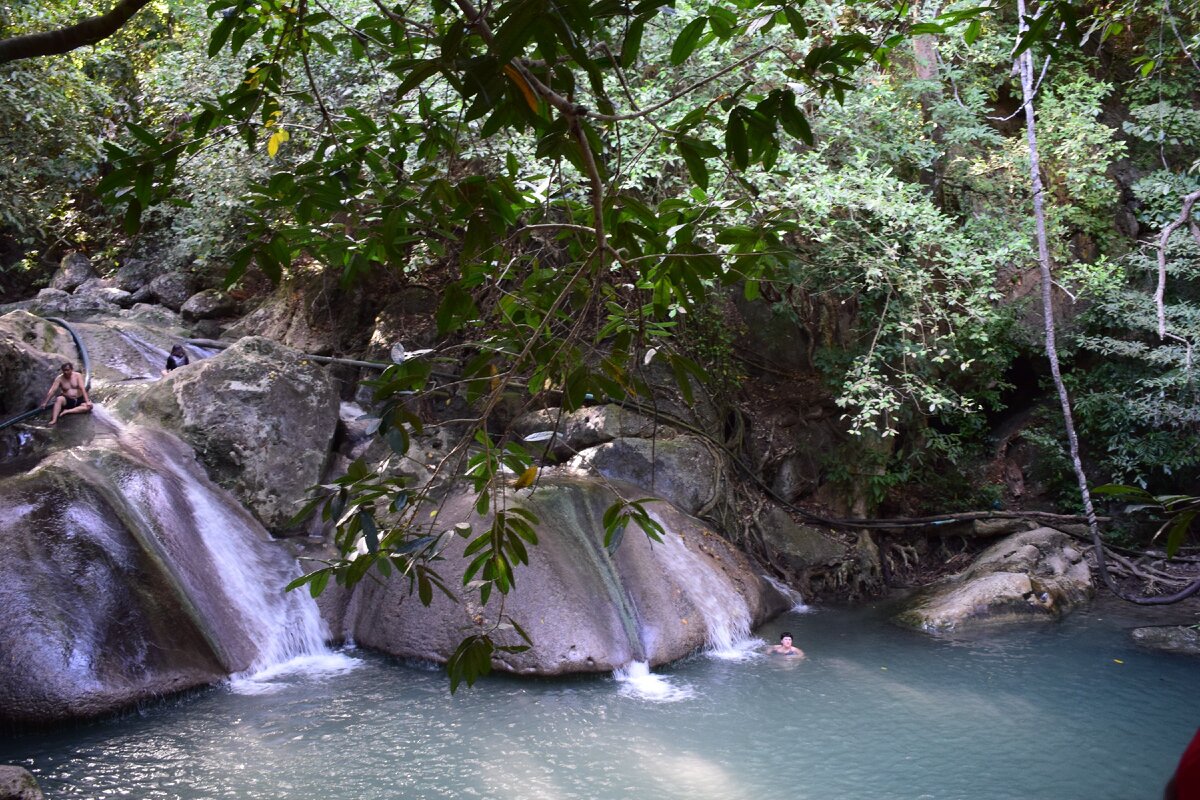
(277, 677)
(637, 681)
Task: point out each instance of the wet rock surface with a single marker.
(17, 783)
(586, 610)
(269, 436)
(685, 470)
(1037, 574)
(1183, 639)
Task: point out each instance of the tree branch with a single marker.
(64, 40)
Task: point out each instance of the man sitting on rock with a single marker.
(73, 398)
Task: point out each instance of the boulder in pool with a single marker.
(1034, 575)
(585, 609)
(17, 783)
(1183, 639)
(260, 416)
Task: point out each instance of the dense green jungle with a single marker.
(869, 252)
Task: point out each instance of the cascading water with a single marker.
(210, 542)
(797, 599)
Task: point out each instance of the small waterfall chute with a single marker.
(263, 631)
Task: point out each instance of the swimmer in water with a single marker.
(785, 647)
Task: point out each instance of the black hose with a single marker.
(84, 361)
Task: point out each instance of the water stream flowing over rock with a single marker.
(586, 610)
(126, 573)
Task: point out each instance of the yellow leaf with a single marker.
(523, 85)
(277, 138)
(527, 477)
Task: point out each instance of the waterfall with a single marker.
(229, 570)
(794, 597)
(726, 615)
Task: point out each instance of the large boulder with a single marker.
(126, 574)
(575, 431)
(686, 469)
(17, 783)
(208, 304)
(31, 352)
(171, 289)
(800, 547)
(261, 418)
(134, 274)
(92, 619)
(1183, 639)
(75, 269)
(585, 609)
(1035, 575)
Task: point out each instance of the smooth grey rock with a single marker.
(73, 271)
(208, 304)
(92, 619)
(1171, 638)
(683, 470)
(1000, 527)
(1001, 583)
(585, 611)
(586, 427)
(171, 290)
(18, 783)
(31, 352)
(92, 285)
(134, 274)
(269, 436)
(801, 547)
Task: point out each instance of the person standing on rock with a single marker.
(178, 358)
(72, 398)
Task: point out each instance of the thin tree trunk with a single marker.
(1025, 66)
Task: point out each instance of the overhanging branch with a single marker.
(64, 40)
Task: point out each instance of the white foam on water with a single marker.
(271, 679)
(636, 680)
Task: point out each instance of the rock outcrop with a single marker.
(268, 437)
(1184, 639)
(586, 610)
(17, 783)
(126, 574)
(1033, 575)
(685, 470)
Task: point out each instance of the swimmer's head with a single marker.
(785, 638)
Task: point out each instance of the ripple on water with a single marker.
(874, 713)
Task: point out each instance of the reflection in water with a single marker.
(874, 713)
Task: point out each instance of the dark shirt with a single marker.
(176, 361)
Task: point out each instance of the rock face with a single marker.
(801, 547)
(92, 622)
(586, 427)
(31, 352)
(584, 609)
(208, 304)
(1171, 638)
(126, 574)
(1007, 583)
(16, 783)
(683, 470)
(73, 271)
(268, 438)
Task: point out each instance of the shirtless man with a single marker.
(785, 647)
(74, 398)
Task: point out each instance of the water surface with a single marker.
(1070, 710)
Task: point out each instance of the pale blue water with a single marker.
(874, 712)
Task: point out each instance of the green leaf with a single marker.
(632, 43)
(972, 32)
(687, 40)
